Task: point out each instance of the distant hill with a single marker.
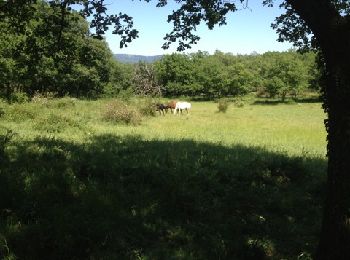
(129, 58)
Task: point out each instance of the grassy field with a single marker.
(245, 184)
(296, 128)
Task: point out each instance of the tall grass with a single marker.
(245, 184)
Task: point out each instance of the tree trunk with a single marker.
(332, 31)
(335, 234)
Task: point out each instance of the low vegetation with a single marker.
(223, 105)
(245, 184)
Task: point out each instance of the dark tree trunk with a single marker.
(332, 32)
(335, 235)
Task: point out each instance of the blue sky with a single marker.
(247, 30)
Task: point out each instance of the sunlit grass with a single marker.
(296, 129)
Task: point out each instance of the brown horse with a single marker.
(172, 105)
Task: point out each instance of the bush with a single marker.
(19, 97)
(147, 108)
(223, 105)
(238, 103)
(120, 112)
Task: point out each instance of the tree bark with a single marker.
(335, 234)
(332, 32)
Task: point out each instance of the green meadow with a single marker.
(245, 184)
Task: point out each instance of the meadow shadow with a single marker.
(127, 198)
(308, 100)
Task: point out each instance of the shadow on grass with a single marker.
(288, 101)
(125, 198)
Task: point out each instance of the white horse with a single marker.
(182, 106)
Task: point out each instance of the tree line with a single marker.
(37, 56)
(223, 74)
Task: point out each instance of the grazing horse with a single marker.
(172, 105)
(162, 108)
(182, 106)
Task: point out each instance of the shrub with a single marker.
(147, 108)
(238, 103)
(223, 105)
(261, 92)
(120, 112)
(19, 97)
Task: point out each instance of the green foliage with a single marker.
(272, 74)
(285, 74)
(53, 123)
(147, 107)
(18, 97)
(126, 94)
(223, 105)
(18, 113)
(121, 79)
(121, 112)
(46, 53)
(63, 103)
